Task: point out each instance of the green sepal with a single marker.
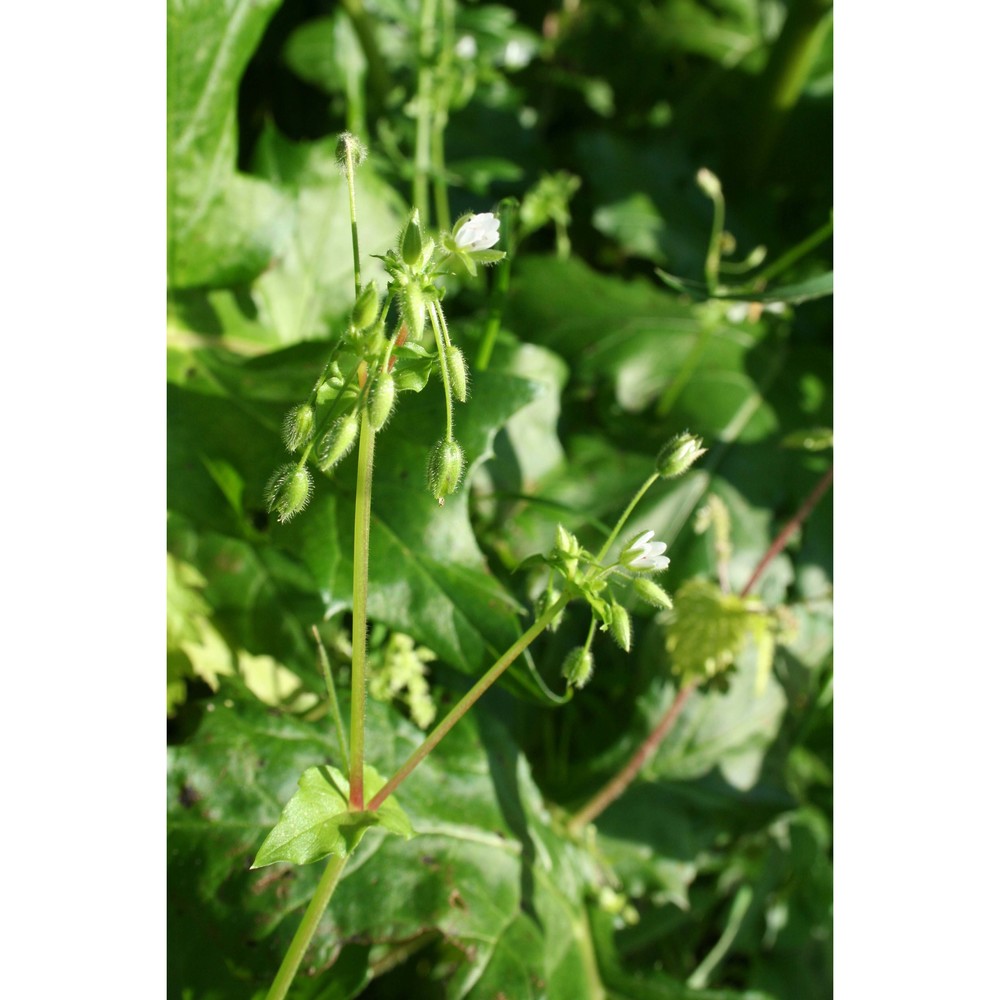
(317, 822)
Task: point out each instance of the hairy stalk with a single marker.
(359, 631)
(471, 697)
(349, 166)
(617, 785)
(307, 928)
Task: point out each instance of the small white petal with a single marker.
(466, 47)
(480, 233)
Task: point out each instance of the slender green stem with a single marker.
(463, 706)
(439, 339)
(425, 107)
(441, 98)
(786, 75)
(307, 928)
(359, 633)
(349, 165)
(378, 76)
(331, 693)
(680, 380)
(797, 252)
(501, 287)
(698, 979)
(640, 493)
(714, 255)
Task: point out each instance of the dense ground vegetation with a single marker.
(638, 155)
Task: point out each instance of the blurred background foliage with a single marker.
(589, 121)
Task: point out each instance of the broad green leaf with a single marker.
(428, 577)
(641, 344)
(309, 289)
(318, 822)
(222, 226)
(803, 291)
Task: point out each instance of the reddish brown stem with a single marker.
(617, 785)
(614, 788)
(789, 529)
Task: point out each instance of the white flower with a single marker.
(644, 554)
(466, 47)
(516, 54)
(479, 233)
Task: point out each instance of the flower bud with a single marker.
(350, 147)
(578, 667)
(651, 593)
(458, 373)
(569, 549)
(678, 455)
(414, 311)
(381, 399)
(337, 442)
(366, 307)
(709, 183)
(621, 626)
(288, 491)
(411, 240)
(444, 469)
(298, 428)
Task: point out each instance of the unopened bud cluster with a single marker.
(362, 380)
(576, 571)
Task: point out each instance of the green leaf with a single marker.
(803, 291)
(308, 290)
(428, 577)
(318, 821)
(222, 226)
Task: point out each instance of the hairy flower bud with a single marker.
(709, 183)
(288, 491)
(414, 311)
(578, 667)
(621, 626)
(651, 593)
(337, 442)
(444, 469)
(298, 428)
(381, 399)
(678, 455)
(458, 372)
(350, 147)
(411, 240)
(366, 307)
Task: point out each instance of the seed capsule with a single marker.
(458, 372)
(298, 429)
(337, 442)
(288, 491)
(621, 626)
(381, 400)
(578, 667)
(444, 469)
